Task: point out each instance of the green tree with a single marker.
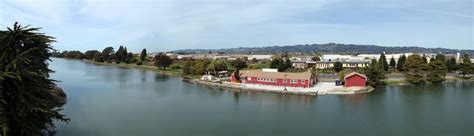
(91, 54)
(237, 74)
(392, 62)
(451, 64)
(27, 105)
(343, 73)
(217, 65)
(374, 74)
(129, 58)
(187, 68)
(277, 63)
(414, 70)
(316, 58)
(437, 72)
(74, 55)
(284, 54)
(105, 55)
(425, 60)
(466, 59)
(401, 62)
(287, 64)
(200, 67)
(238, 63)
(117, 55)
(280, 63)
(120, 55)
(440, 57)
(383, 62)
(163, 61)
(143, 55)
(466, 67)
(337, 66)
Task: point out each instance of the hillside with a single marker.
(327, 48)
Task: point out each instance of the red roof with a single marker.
(353, 74)
(280, 75)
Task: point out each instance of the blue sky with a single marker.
(162, 25)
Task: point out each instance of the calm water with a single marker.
(106, 100)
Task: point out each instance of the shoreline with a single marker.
(194, 79)
(239, 87)
(170, 72)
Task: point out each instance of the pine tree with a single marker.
(466, 59)
(437, 72)
(383, 62)
(401, 62)
(451, 64)
(119, 55)
(129, 58)
(27, 102)
(440, 57)
(337, 66)
(288, 64)
(466, 67)
(124, 55)
(425, 61)
(432, 59)
(143, 55)
(374, 74)
(392, 62)
(414, 70)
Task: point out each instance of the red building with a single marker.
(355, 79)
(271, 77)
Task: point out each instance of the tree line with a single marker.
(109, 55)
(416, 69)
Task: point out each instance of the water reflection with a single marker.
(236, 96)
(161, 77)
(102, 98)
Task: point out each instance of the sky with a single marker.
(164, 25)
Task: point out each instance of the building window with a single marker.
(293, 81)
(302, 81)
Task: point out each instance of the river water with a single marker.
(106, 100)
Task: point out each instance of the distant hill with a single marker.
(328, 48)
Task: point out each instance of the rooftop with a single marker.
(281, 75)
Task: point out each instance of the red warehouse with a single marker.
(272, 77)
(355, 79)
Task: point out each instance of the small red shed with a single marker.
(355, 79)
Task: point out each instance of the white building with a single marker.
(259, 57)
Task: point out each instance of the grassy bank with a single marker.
(171, 72)
(448, 79)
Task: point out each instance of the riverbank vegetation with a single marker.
(414, 68)
(28, 98)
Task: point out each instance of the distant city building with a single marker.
(299, 64)
(259, 57)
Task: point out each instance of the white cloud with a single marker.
(175, 24)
